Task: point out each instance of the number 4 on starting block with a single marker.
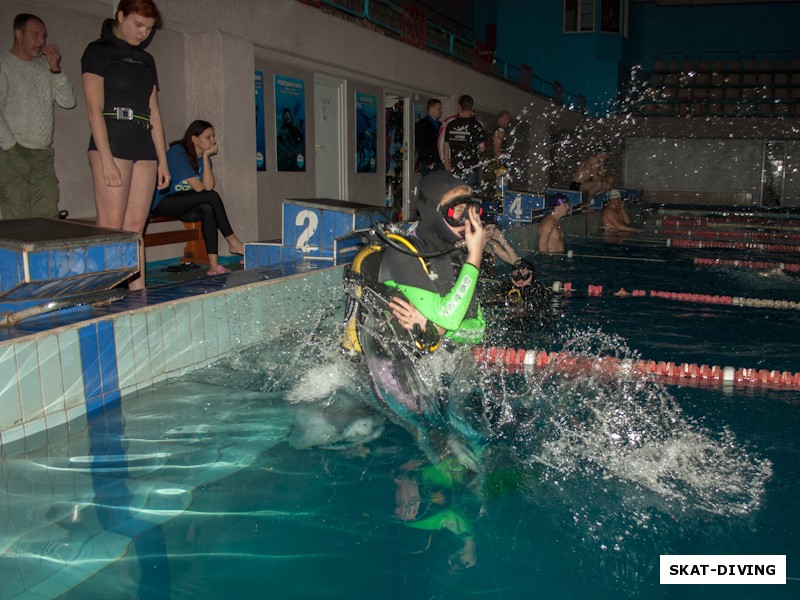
(519, 206)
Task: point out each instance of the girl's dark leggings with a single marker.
(193, 206)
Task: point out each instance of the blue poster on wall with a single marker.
(366, 133)
(290, 123)
(261, 144)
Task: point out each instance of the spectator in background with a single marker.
(30, 82)
(191, 196)
(495, 169)
(591, 177)
(500, 137)
(464, 141)
(426, 132)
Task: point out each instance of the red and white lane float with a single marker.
(686, 221)
(674, 373)
(758, 265)
(729, 300)
(753, 247)
(750, 236)
(597, 290)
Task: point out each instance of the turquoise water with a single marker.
(267, 475)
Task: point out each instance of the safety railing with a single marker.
(421, 25)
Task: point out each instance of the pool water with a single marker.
(270, 475)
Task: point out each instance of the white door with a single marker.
(329, 144)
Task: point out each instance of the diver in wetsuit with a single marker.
(413, 295)
(524, 287)
(527, 298)
(520, 307)
(437, 295)
(429, 276)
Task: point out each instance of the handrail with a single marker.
(441, 40)
(441, 18)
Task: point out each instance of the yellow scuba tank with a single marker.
(350, 334)
(350, 341)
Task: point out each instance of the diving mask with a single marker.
(448, 210)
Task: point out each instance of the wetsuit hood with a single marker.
(107, 35)
(432, 228)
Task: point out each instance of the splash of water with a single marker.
(548, 143)
(584, 424)
(572, 429)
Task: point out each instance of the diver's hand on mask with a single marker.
(475, 236)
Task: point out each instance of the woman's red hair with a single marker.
(144, 8)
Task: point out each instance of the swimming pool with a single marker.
(264, 474)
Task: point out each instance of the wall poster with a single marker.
(366, 133)
(290, 123)
(261, 144)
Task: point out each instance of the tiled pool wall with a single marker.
(53, 377)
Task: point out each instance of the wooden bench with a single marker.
(195, 248)
(190, 234)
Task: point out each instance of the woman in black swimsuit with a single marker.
(127, 152)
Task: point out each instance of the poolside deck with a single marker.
(168, 287)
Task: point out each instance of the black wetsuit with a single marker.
(447, 270)
(129, 75)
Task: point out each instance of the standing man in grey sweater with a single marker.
(30, 81)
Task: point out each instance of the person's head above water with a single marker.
(444, 201)
(522, 274)
(601, 154)
(559, 203)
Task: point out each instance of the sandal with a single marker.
(180, 267)
(218, 270)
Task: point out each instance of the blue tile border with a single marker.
(152, 335)
(90, 367)
(183, 328)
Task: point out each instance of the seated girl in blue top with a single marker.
(191, 196)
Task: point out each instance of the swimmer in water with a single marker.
(551, 237)
(615, 216)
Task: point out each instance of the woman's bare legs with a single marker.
(235, 245)
(143, 184)
(125, 207)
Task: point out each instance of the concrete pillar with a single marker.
(220, 89)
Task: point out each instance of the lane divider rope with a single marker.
(677, 373)
(735, 245)
(752, 236)
(597, 290)
(747, 264)
(741, 220)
